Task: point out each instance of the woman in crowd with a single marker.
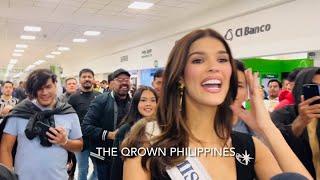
(242, 95)
(299, 123)
(199, 85)
(143, 105)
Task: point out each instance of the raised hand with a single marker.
(307, 113)
(258, 118)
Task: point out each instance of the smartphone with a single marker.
(42, 127)
(311, 90)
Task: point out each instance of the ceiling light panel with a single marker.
(27, 37)
(18, 50)
(16, 54)
(56, 52)
(39, 62)
(79, 40)
(23, 46)
(62, 48)
(92, 33)
(32, 28)
(50, 56)
(140, 5)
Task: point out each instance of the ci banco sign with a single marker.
(246, 31)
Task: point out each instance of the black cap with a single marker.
(117, 72)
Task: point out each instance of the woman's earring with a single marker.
(181, 89)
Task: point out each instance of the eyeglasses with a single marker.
(122, 79)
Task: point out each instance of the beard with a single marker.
(87, 85)
(123, 92)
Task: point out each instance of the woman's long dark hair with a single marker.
(305, 76)
(172, 121)
(134, 115)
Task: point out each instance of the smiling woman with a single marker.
(199, 86)
(143, 105)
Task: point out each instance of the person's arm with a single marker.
(7, 143)
(74, 145)
(9, 136)
(272, 137)
(5, 111)
(132, 169)
(59, 136)
(297, 127)
(90, 122)
(285, 157)
(264, 158)
(307, 113)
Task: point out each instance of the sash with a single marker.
(192, 169)
(189, 169)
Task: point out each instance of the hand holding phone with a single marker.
(42, 128)
(311, 90)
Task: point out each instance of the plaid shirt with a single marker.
(3, 103)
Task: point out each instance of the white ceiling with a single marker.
(63, 20)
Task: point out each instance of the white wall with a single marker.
(294, 28)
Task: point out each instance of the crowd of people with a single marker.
(197, 101)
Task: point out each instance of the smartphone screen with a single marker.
(311, 90)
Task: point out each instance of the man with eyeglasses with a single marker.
(103, 117)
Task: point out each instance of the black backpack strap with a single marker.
(245, 155)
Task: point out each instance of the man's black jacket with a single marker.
(100, 119)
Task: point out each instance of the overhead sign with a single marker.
(146, 53)
(245, 31)
(124, 58)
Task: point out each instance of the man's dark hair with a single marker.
(239, 64)
(158, 74)
(37, 79)
(277, 81)
(86, 70)
(8, 82)
(104, 81)
(110, 77)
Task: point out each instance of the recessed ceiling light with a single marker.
(56, 52)
(79, 40)
(19, 50)
(62, 48)
(140, 5)
(21, 46)
(16, 54)
(39, 62)
(27, 37)
(50, 56)
(92, 33)
(13, 61)
(32, 28)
